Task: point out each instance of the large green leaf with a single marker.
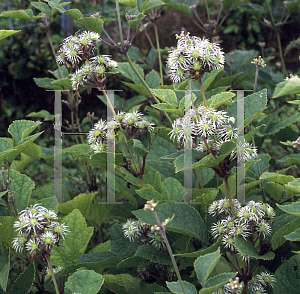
(4, 268)
(167, 108)
(23, 14)
(128, 72)
(167, 96)
(150, 253)
(294, 236)
(253, 104)
(20, 129)
(6, 33)
(126, 284)
(219, 99)
(205, 264)
(22, 186)
(292, 86)
(287, 276)
(153, 79)
(120, 245)
(75, 241)
(245, 247)
(279, 236)
(23, 283)
(175, 287)
(82, 202)
(216, 282)
(292, 208)
(7, 231)
(186, 219)
(84, 281)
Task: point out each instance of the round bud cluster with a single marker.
(133, 125)
(290, 77)
(193, 56)
(259, 62)
(251, 218)
(37, 230)
(146, 234)
(76, 52)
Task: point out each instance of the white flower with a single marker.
(48, 239)
(59, 229)
(157, 240)
(263, 228)
(32, 245)
(218, 229)
(266, 279)
(18, 243)
(243, 151)
(228, 241)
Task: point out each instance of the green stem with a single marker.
(52, 273)
(122, 131)
(278, 38)
(145, 84)
(120, 24)
(256, 75)
(159, 55)
(208, 17)
(8, 207)
(162, 229)
(202, 92)
(229, 196)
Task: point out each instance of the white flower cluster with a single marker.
(140, 230)
(192, 55)
(210, 128)
(37, 230)
(255, 216)
(258, 284)
(133, 123)
(77, 49)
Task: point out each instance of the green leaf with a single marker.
(75, 241)
(120, 245)
(152, 4)
(275, 190)
(130, 103)
(43, 7)
(74, 13)
(294, 236)
(167, 96)
(292, 86)
(183, 8)
(137, 147)
(186, 219)
(150, 253)
(66, 82)
(279, 237)
(126, 284)
(205, 264)
(100, 159)
(287, 276)
(210, 77)
(152, 177)
(91, 24)
(219, 99)
(22, 187)
(23, 283)
(23, 14)
(226, 81)
(128, 72)
(82, 202)
(153, 79)
(46, 83)
(141, 89)
(172, 190)
(4, 268)
(20, 129)
(167, 108)
(253, 104)
(245, 247)
(131, 262)
(175, 287)
(46, 115)
(291, 159)
(134, 23)
(7, 231)
(292, 208)
(56, 6)
(84, 281)
(131, 3)
(276, 127)
(6, 33)
(216, 282)
(106, 246)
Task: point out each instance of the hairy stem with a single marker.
(162, 229)
(202, 92)
(159, 55)
(229, 196)
(52, 273)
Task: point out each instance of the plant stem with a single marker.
(229, 196)
(202, 92)
(122, 131)
(256, 75)
(159, 55)
(52, 273)
(145, 84)
(208, 17)
(278, 38)
(162, 229)
(120, 24)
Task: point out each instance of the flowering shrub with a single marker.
(188, 186)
